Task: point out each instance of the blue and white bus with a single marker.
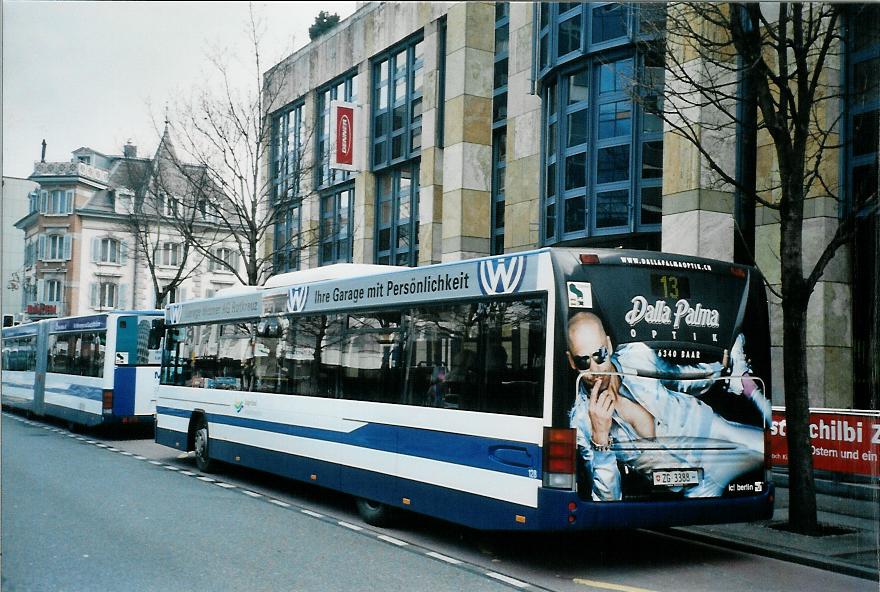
(87, 370)
(549, 390)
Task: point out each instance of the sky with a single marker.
(99, 74)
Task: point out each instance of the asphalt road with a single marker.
(77, 517)
(97, 513)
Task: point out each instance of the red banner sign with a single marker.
(843, 441)
(342, 115)
(41, 309)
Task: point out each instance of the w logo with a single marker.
(502, 276)
(296, 298)
(174, 313)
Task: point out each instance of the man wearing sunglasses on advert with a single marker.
(636, 408)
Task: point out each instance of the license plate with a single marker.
(679, 477)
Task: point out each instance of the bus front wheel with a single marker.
(200, 440)
(374, 513)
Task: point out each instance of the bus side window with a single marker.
(304, 353)
(373, 357)
(269, 356)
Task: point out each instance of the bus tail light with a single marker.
(107, 401)
(589, 259)
(560, 456)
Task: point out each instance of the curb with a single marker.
(800, 557)
(858, 491)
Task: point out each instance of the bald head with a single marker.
(587, 340)
(585, 328)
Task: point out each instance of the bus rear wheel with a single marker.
(200, 443)
(374, 513)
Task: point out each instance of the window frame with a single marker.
(499, 132)
(105, 288)
(228, 256)
(104, 253)
(55, 247)
(393, 254)
(287, 180)
(285, 254)
(557, 226)
(171, 254)
(333, 218)
(381, 146)
(53, 290)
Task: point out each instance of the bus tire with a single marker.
(374, 513)
(201, 442)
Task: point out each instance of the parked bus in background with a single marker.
(88, 370)
(548, 390)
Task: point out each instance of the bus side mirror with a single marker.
(157, 331)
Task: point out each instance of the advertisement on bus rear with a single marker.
(666, 362)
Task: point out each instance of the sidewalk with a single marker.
(852, 506)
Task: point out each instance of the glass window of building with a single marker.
(104, 294)
(169, 255)
(57, 201)
(336, 186)
(224, 259)
(336, 225)
(53, 291)
(862, 44)
(499, 124)
(397, 216)
(286, 254)
(602, 151)
(108, 250)
(288, 183)
(398, 77)
(54, 247)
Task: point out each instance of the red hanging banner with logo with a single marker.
(342, 119)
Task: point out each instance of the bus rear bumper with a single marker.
(564, 510)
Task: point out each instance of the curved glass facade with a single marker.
(602, 149)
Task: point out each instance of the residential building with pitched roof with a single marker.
(100, 234)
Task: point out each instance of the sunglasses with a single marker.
(582, 363)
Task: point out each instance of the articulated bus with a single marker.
(555, 389)
(87, 370)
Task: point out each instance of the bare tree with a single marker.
(153, 218)
(786, 57)
(225, 139)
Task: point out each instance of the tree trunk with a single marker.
(801, 487)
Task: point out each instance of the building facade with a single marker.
(487, 128)
(82, 251)
(14, 206)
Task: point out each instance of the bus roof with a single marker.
(21, 330)
(72, 322)
(351, 286)
(329, 272)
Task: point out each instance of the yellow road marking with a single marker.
(609, 586)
